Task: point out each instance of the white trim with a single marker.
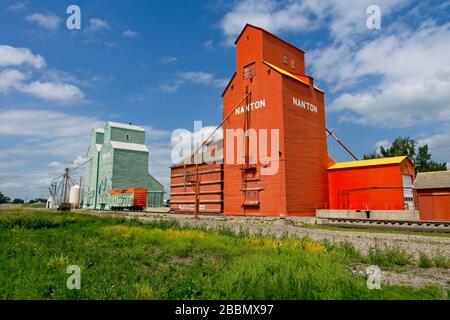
(125, 126)
(129, 146)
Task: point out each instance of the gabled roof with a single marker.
(432, 180)
(129, 146)
(267, 32)
(125, 126)
(367, 163)
(302, 78)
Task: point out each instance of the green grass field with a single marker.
(130, 260)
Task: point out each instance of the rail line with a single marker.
(408, 225)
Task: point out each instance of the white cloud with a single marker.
(199, 77)
(130, 34)
(10, 79)
(45, 123)
(399, 104)
(11, 56)
(96, 24)
(396, 56)
(18, 6)
(192, 77)
(169, 87)
(342, 18)
(53, 91)
(272, 16)
(382, 143)
(209, 44)
(438, 146)
(168, 60)
(44, 20)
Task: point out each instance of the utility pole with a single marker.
(66, 184)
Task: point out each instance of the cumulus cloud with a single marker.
(130, 34)
(15, 80)
(168, 60)
(11, 56)
(342, 18)
(396, 56)
(192, 77)
(53, 91)
(96, 24)
(400, 104)
(10, 79)
(17, 6)
(44, 20)
(439, 145)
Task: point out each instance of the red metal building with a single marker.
(433, 191)
(376, 184)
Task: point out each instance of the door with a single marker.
(408, 198)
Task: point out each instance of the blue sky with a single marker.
(164, 64)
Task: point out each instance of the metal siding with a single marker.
(346, 188)
(434, 204)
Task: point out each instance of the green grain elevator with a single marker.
(118, 159)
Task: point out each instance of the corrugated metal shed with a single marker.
(376, 184)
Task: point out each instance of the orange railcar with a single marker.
(133, 199)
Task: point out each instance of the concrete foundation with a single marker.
(370, 214)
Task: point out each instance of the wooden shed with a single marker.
(433, 192)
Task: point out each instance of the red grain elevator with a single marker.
(279, 104)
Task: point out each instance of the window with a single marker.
(127, 137)
(292, 64)
(249, 71)
(285, 59)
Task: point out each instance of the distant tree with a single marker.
(405, 146)
(18, 201)
(372, 155)
(402, 146)
(37, 200)
(4, 199)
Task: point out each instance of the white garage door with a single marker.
(407, 191)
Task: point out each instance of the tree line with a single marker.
(406, 146)
(5, 199)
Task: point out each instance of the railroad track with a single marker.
(411, 225)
